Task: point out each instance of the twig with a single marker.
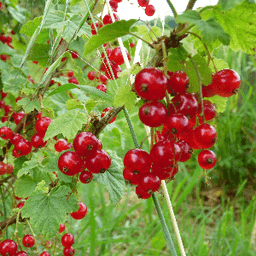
(172, 8)
(34, 235)
(190, 5)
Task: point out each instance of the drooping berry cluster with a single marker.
(150, 9)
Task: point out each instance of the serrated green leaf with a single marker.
(17, 15)
(108, 33)
(29, 105)
(49, 210)
(73, 104)
(135, 69)
(219, 64)
(90, 105)
(28, 165)
(149, 34)
(113, 178)
(5, 49)
(40, 53)
(189, 16)
(124, 96)
(219, 101)
(62, 88)
(120, 137)
(54, 19)
(176, 59)
(68, 124)
(96, 92)
(226, 5)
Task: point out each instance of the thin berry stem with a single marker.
(175, 14)
(34, 235)
(142, 39)
(190, 5)
(184, 31)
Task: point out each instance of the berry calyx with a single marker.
(68, 251)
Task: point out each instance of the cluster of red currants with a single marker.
(184, 123)
(5, 40)
(150, 9)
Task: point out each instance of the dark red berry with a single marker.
(130, 177)
(74, 54)
(42, 124)
(62, 228)
(18, 117)
(177, 123)
(205, 136)
(15, 138)
(103, 79)
(37, 140)
(23, 147)
(9, 169)
(70, 163)
(150, 10)
(67, 240)
(178, 82)
(115, 69)
(8, 248)
(80, 214)
(108, 20)
(70, 73)
(68, 251)
(91, 75)
(207, 159)
(6, 133)
(99, 163)
(117, 56)
(209, 111)
(28, 241)
(149, 182)
(86, 177)
(141, 193)
(153, 114)
(73, 80)
(151, 84)
(207, 91)
(61, 145)
(20, 205)
(189, 138)
(186, 151)
(132, 44)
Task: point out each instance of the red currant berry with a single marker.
(48, 244)
(23, 147)
(207, 159)
(15, 138)
(21, 253)
(103, 79)
(115, 69)
(207, 91)
(3, 168)
(186, 151)
(178, 82)
(67, 240)
(130, 177)
(37, 140)
(85, 144)
(80, 214)
(102, 87)
(226, 82)
(153, 114)
(6, 133)
(61, 145)
(42, 124)
(73, 80)
(86, 177)
(149, 182)
(132, 44)
(104, 111)
(16, 154)
(74, 54)
(62, 228)
(108, 20)
(141, 193)
(189, 138)
(8, 248)
(205, 136)
(113, 5)
(20, 205)
(70, 73)
(99, 163)
(45, 253)
(28, 241)
(18, 117)
(177, 123)
(137, 160)
(150, 10)
(143, 3)
(117, 56)
(151, 84)
(68, 251)
(209, 111)
(91, 75)
(9, 169)
(70, 163)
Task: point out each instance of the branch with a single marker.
(6, 179)
(10, 221)
(190, 5)
(172, 8)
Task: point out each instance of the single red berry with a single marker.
(21, 253)
(4, 57)
(45, 253)
(149, 182)
(3, 168)
(6, 133)
(18, 117)
(165, 172)
(23, 147)
(207, 159)
(91, 75)
(102, 87)
(42, 124)
(178, 82)
(150, 84)
(62, 228)
(20, 205)
(177, 123)
(67, 240)
(132, 44)
(186, 151)
(64, 59)
(86, 177)
(9, 169)
(74, 54)
(35, 61)
(73, 80)
(70, 163)
(37, 140)
(209, 111)
(103, 79)
(80, 214)
(99, 163)
(28, 241)
(150, 10)
(153, 114)
(85, 144)
(226, 82)
(61, 145)
(104, 111)
(141, 193)
(189, 138)
(137, 160)
(205, 136)
(108, 20)
(114, 5)
(70, 73)
(2, 103)
(68, 251)
(15, 138)
(117, 57)
(130, 177)
(143, 3)
(8, 248)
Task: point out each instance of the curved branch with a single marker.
(190, 5)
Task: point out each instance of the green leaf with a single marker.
(17, 15)
(5, 49)
(29, 165)
(189, 16)
(68, 124)
(226, 5)
(90, 105)
(135, 69)
(119, 136)
(219, 64)
(73, 104)
(147, 34)
(108, 33)
(219, 101)
(96, 92)
(176, 59)
(40, 53)
(62, 88)
(113, 178)
(55, 20)
(29, 105)
(124, 96)
(48, 211)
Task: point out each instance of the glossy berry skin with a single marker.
(103, 79)
(42, 124)
(141, 193)
(149, 182)
(45, 253)
(153, 114)
(73, 80)
(8, 248)
(80, 214)
(207, 91)
(85, 144)
(143, 3)
(108, 20)
(67, 240)
(150, 84)
(163, 153)
(23, 147)
(18, 117)
(226, 82)
(74, 54)
(186, 104)
(150, 10)
(117, 57)
(68, 251)
(137, 160)
(207, 159)
(189, 138)
(61, 145)
(37, 140)
(130, 177)
(62, 228)
(20, 205)
(186, 151)
(6, 133)
(91, 75)
(99, 163)
(209, 111)
(3, 168)
(205, 136)
(21, 253)
(132, 44)
(86, 177)
(9, 169)
(28, 241)
(102, 87)
(70, 73)
(178, 82)
(177, 123)
(166, 172)
(70, 163)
